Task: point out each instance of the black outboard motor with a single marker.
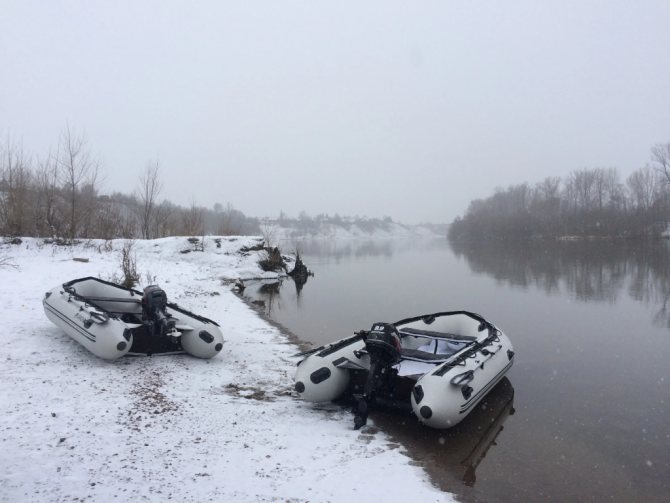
(154, 312)
(382, 343)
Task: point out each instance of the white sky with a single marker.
(407, 109)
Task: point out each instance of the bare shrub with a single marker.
(273, 261)
(197, 244)
(129, 265)
(268, 231)
(151, 279)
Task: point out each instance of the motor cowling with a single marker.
(154, 311)
(382, 342)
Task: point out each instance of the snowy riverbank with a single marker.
(74, 427)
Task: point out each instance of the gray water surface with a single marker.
(583, 415)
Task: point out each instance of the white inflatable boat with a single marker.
(440, 364)
(112, 321)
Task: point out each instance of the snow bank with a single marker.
(74, 427)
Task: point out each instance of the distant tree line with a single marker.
(588, 202)
(305, 224)
(59, 197)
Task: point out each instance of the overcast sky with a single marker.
(408, 109)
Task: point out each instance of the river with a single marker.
(584, 413)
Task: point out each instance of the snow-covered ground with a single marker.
(76, 428)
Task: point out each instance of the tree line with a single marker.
(588, 202)
(59, 196)
(307, 224)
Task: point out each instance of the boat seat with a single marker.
(442, 335)
(416, 354)
(442, 346)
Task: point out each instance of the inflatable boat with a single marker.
(441, 365)
(112, 321)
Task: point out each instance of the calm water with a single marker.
(585, 412)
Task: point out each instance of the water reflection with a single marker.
(343, 249)
(333, 250)
(266, 293)
(457, 452)
(587, 270)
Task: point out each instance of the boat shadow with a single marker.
(451, 457)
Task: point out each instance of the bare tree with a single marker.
(546, 201)
(602, 185)
(166, 221)
(76, 168)
(643, 185)
(582, 183)
(192, 220)
(48, 215)
(229, 220)
(268, 231)
(660, 156)
(150, 188)
(614, 189)
(110, 221)
(15, 180)
(549, 188)
(89, 209)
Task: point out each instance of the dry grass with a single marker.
(6, 261)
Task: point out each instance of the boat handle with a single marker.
(99, 317)
(487, 351)
(463, 379)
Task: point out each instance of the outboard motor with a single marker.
(382, 343)
(154, 312)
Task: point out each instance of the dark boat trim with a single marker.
(425, 317)
(91, 337)
(474, 399)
